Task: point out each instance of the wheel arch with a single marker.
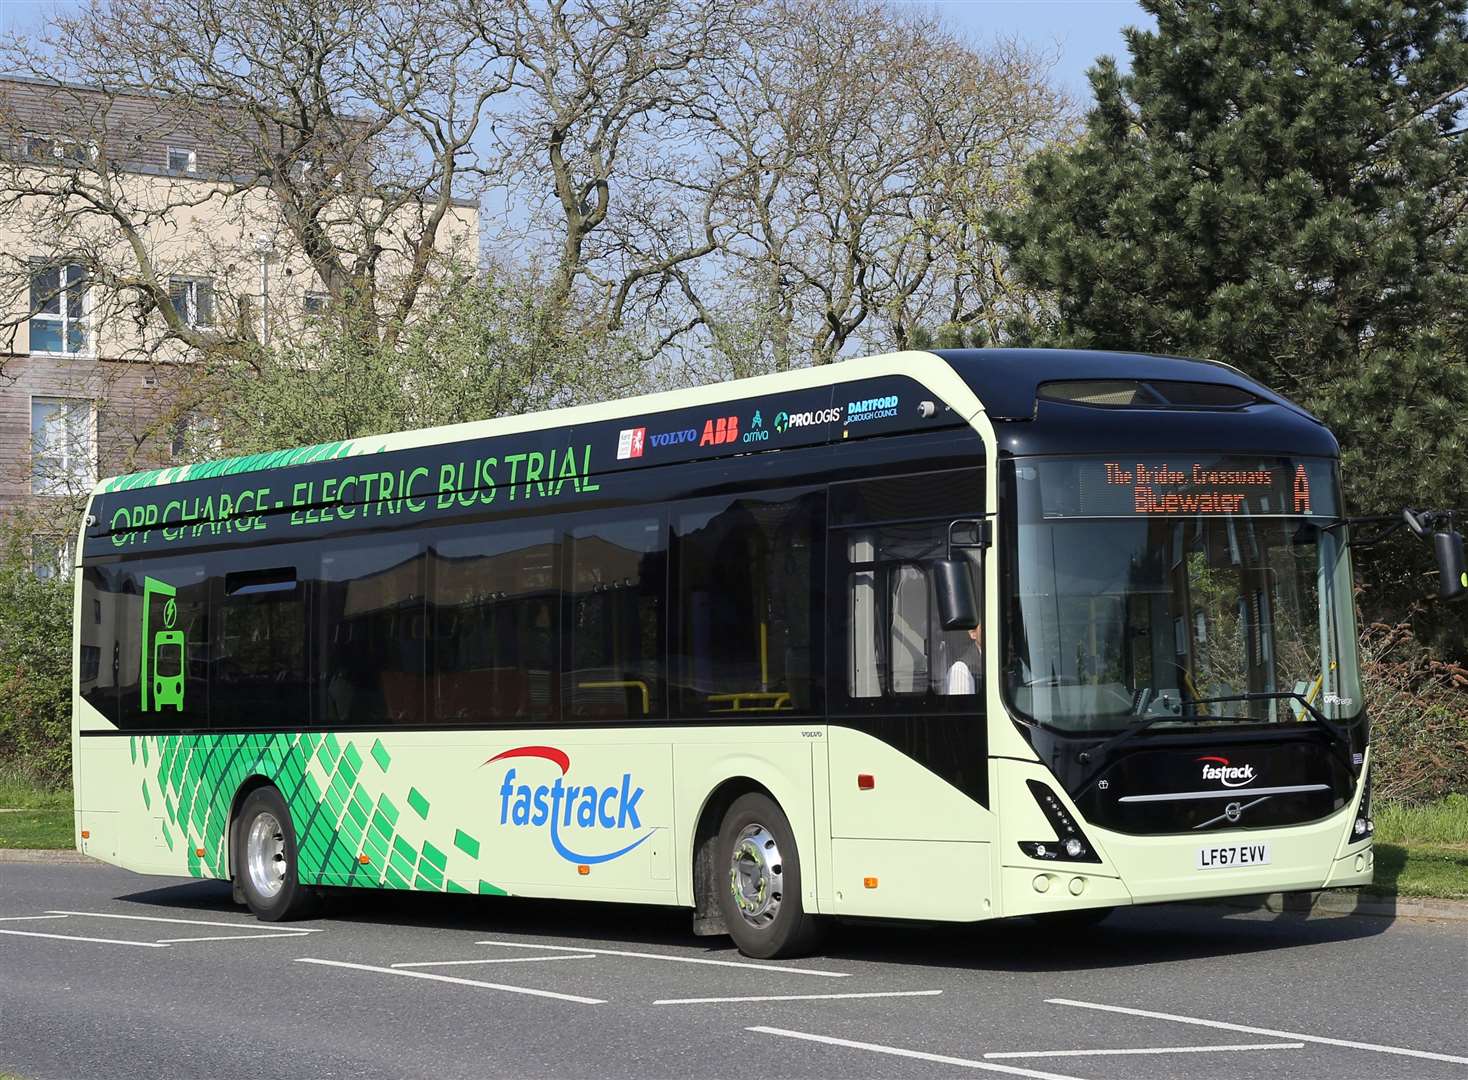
(250, 785)
(707, 920)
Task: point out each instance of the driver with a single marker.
(965, 672)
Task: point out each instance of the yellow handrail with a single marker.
(626, 684)
(773, 701)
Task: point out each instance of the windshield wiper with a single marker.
(1136, 729)
(1100, 749)
(1282, 695)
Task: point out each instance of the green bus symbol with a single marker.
(162, 652)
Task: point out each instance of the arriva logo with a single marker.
(1228, 775)
(553, 806)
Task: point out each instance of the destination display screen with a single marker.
(1119, 486)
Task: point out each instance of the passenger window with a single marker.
(618, 589)
(373, 635)
(749, 598)
(494, 603)
(260, 669)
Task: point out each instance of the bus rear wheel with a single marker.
(266, 870)
(757, 879)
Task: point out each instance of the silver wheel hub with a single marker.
(757, 875)
(265, 855)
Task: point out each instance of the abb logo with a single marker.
(717, 432)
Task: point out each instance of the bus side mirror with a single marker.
(1452, 571)
(954, 582)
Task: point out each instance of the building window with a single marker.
(182, 161)
(50, 557)
(59, 308)
(193, 300)
(63, 450)
(50, 149)
(316, 303)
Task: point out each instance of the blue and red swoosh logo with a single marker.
(554, 804)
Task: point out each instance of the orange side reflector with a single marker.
(363, 859)
(869, 882)
(199, 852)
(86, 834)
(865, 781)
(583, 870)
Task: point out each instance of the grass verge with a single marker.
(42, 817)
(1422, 851)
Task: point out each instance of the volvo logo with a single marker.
(1233, 811)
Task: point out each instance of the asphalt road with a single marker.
(107, 974)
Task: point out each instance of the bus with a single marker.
(950, 635)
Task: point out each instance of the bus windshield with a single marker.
(1141, 588)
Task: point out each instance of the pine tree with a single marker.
(1281, 185)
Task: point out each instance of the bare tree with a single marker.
(608, 134)
(332, 137)
(863, 147)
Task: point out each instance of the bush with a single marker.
(1419, 717)
(35, 668)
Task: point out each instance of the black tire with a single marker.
(290, 899)
(1073, 922)
(764, 921)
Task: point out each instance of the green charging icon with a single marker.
(163, 652)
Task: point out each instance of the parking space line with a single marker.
(496, 960)
(183, 922)
(920, 1055)
(801, 997)
(94, 940)
(29, 918)
(452, 979)
(1221, 1025)
(229, 937)
(664, 956)
(1147, 1050)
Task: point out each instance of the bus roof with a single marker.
(1006, 382)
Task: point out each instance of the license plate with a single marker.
(1232, 856)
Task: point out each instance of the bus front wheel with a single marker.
(266, 870)
(757, 879)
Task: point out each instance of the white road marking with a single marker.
(29, 918)
(95, 940)
(496, 960)
(184, 922)
(1349, 1043)
(451, 979)
(921, 1055)
(1147, 1050)
(230, 937)
(665, 956)
(801, 997)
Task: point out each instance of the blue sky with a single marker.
(1080, 30)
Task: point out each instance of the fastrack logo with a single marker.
(1226, 774)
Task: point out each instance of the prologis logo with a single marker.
(1226, 774)
(553, 806)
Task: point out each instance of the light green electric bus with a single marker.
(944, 636)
